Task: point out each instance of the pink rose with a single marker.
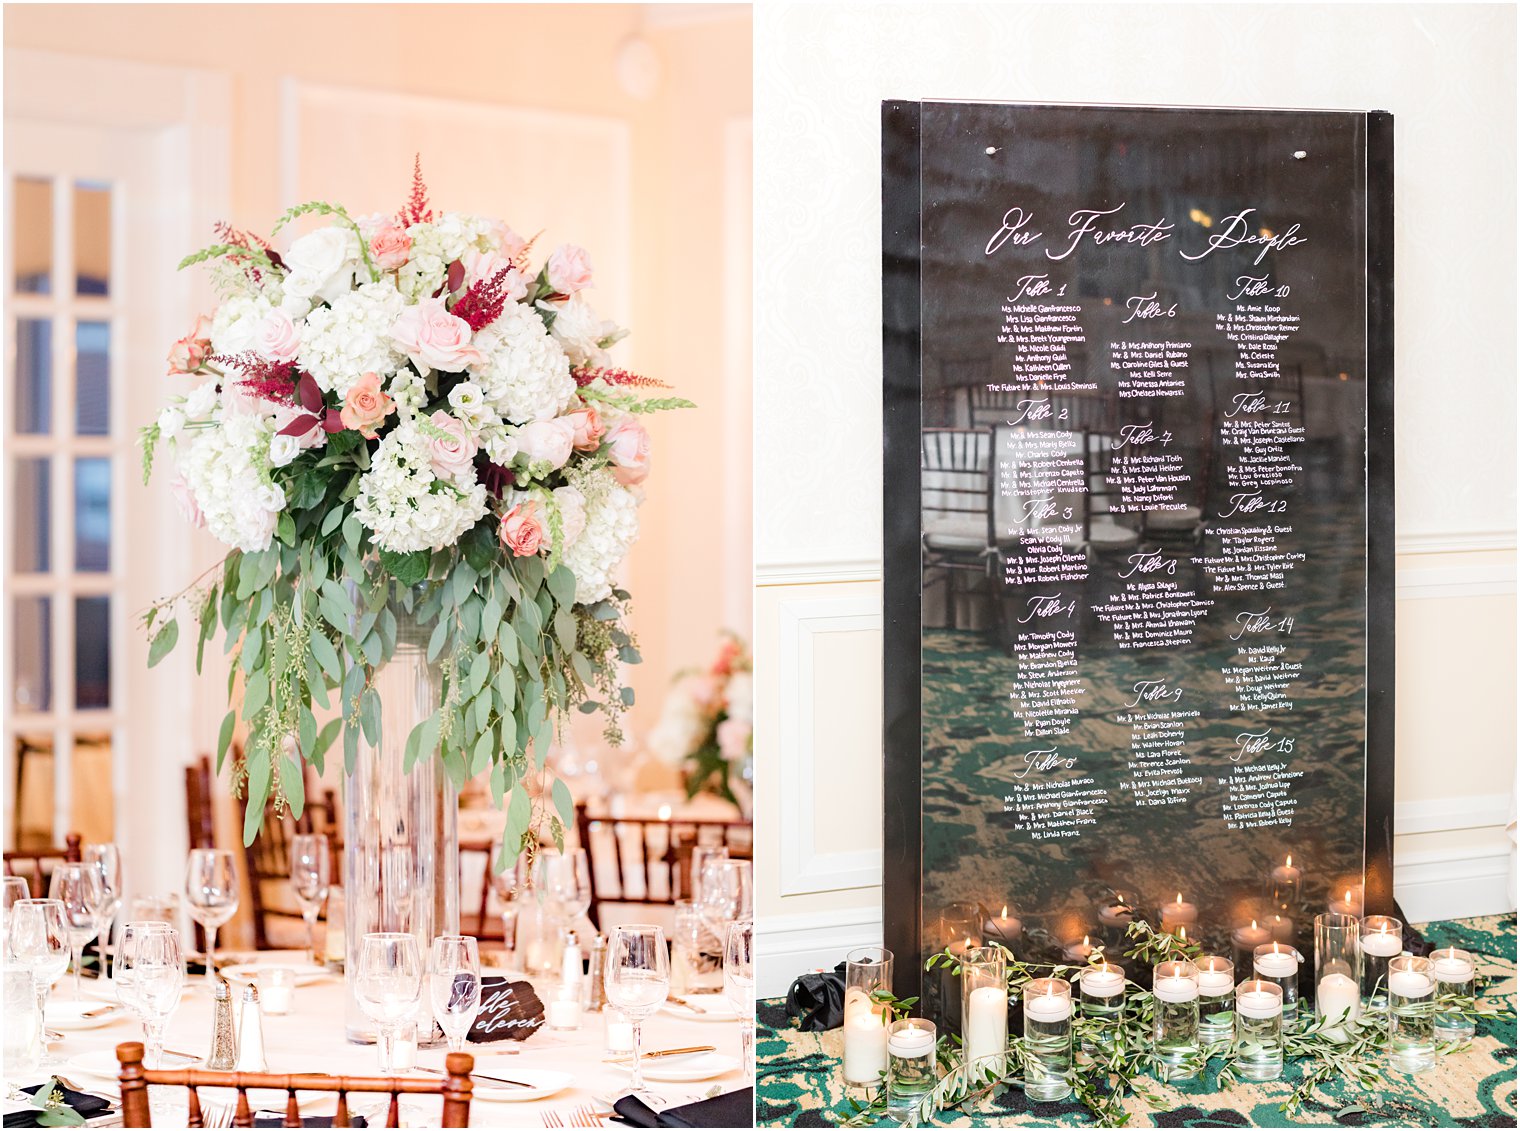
(589, 428)
(189, 509)
(733, 739)
(569, 269)
(190, 353)
(628, 449)
(522, 531)
(505, 240)
(277, 337)
(432, 337)
(482, 266)
(390, 246)
(547, 441)
(366, 406)
(452, 454)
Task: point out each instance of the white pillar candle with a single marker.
(1048, 1007)
(1098, 982)
(1178, 913)
(1175, 989)
(1259, 1003)
(986, 1023)
(865, 1039)
(1277, 964)
(1409, 983)
(909, 1041)
(1383, 944)
(1337, 998)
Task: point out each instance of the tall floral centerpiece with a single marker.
(707, 726)
(427, 473)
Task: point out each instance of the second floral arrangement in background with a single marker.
(707, 726)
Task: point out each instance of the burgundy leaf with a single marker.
(299, 426)
(310, 392)
(333, 422)
(274, 258)
(456, 275)
(496, 478)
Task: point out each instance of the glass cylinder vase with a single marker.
(866, 971)
(1278, 963)
(1101, 990)
(984, 1003)
(1047, 1036)
(911, 1074)
(1337, 971)
(1456, 972)
(1411, 1014)
(1174, 985)
(1259, 1030)
(1216, 1000)
(401, 845)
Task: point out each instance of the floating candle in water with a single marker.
(1117, 914)
(1409, 983)
(1049, 1006)
(1216, 976)
(1258, 1003)
(1279, 962)
(1005, 928)
(1102, 981)
(1282, 929)
(1178, 913)
(1452, 965)
(1349, 902)
(1175, 989)
(1285, 874)
(1079, 951)
(1383, 944)
(910, 1041)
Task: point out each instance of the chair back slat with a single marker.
(292, 1110)
(197, 1119)
(39, 863)
(648, 861)
(242, 1116)
(340, 1117)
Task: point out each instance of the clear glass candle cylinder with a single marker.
(911, 1071)
(1456, 973)
(1285, 886)
(984, 1003)
(1411, 1014)
(1216, 999)
(1337, 971)
(1101, 992)
(1047, 1035)
(1174, 985)
(1382, 940)
(956, 930)
(1278, 963)
(1259, 1030)
(866, 971)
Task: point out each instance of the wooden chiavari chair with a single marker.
(956, 491)
(38, 864)
(455, 1090)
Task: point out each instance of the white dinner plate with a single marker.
(683, 1069)
(714, 1007)
(542, 1084)
(102, 1063)
(68, 1016)
(305, 972)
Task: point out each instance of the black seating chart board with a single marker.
(1138, 525)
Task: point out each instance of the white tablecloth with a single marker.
(311, 1039)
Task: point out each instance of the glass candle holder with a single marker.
(1337, 971)
(1006, 928)
(1278, 963)
(911, 1073)
(1382, 940)
(865, 1021)
(1174, 985)
(1285, 885)
(1259, 1030)
(1244, 940)
(1047, 1033)
(984, 1003)
(1216, 1000)
(1455, 973)
(277, 988)
(1411, 1014)
(1101, 992)
(1347, 897)
(957, 930)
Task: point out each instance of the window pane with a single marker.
(33, 236)
(33, 811)
(92, 238)
(33, 532)
(90, 789)
(34, 375)
(92, 378)
(92, 515)
(33, 640)
(92, 652)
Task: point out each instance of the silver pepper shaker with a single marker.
(250, 1051)
(594, 993)
(224, 1047)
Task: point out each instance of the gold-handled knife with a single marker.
(684, 1004)
(624, 1058)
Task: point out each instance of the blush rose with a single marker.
(522, 530)
(366, 406)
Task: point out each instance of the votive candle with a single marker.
(1277, 963)
(1259, 1029)
(1216, 999)
(1174, 985)
(1455, 973)
(1047, 1035)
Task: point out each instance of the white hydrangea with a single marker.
(580, 331)
(570, 505)
(235, 322)
(409, 391)
(523, 372)
(352, 337)
(405, 505)
(227, 470)
(438, 243)
(612, 525)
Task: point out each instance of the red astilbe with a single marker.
(483, 303)
(237, 237)
(416, 210)
(274, 381)
(586, 374)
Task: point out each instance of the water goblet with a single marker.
(107, 858)
(38, 939)
(637, 980)
(211, 894)
(310, 879)
(454, 985)
(388, 985)
(81, 890)
(150, 977)
(739, 983)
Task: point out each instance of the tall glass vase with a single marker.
(400, 842)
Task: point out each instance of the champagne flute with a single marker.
(38, 939)
(211, 893)
(150, 977)
(80, 889)
(637, 980)
(388, 985)
(739, 983)
(310, 878)
(454, 984)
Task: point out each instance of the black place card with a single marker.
(509, 1011)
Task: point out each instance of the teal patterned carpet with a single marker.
(798, 1074)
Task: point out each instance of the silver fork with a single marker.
(552, 1119)
(585, 1116)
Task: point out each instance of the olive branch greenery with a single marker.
(1113, 1055)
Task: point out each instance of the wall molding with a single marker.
(804, 869)
(1456, 542)
(790, 945)
(1496, 580)
(822, 571)
(1451, 814)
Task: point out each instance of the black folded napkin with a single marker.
(731, 1109)
(817, 1000)
(86, 1105)
(307, 1121)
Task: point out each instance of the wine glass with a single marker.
(727, 894)
(211, 893)
(81, 890)
(510, 883)
(150, 977)
(564, 878)
(38, 938)
(310, 878)
(739, 982)
(107, 858)
(637, 980)
(702, 856)
(388, 985)
(15, 890)
(454, 984)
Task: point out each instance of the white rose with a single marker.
(502, 448)
(170, 421)
(322, 263)
(277, 337)
(468, 402)
(201, 401)
(283, 449)
(548, 441)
